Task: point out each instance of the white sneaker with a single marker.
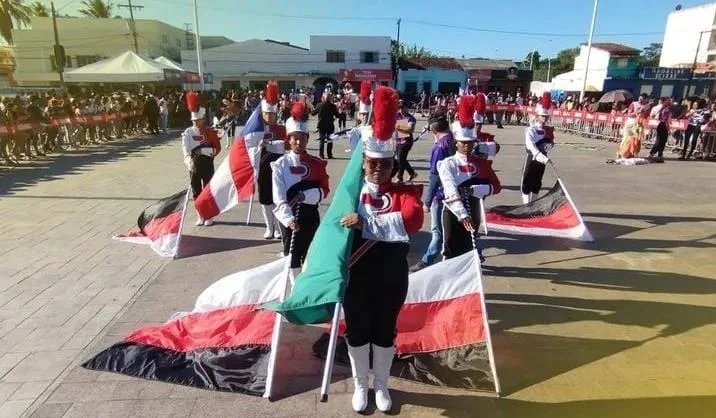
(208, 222)
(199, 222)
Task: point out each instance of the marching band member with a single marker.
(465, 179)
(199, 144)
(480, 108)
(300, 183)
(364, 109)
(539, 140)
(387, 215)
(272, 146)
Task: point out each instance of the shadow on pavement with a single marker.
(458, 406)
(194, 246)
(73, 162)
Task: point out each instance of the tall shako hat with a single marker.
(463, 126)
(364, 97)
(378, 139)
(269, 104)
(192, 103)
(544, 105)
(298, 122)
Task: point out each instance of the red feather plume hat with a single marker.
(298, 122)
(463, 127)
(364, 97)
(544, 104)
(378, 139)
(192, 103)
(270, 102)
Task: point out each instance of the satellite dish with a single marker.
(678, 7)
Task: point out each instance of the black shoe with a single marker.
(418, 266)
(321, 156)
(500, 127)
(682, 158)
(330, 157)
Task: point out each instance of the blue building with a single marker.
(431, 75)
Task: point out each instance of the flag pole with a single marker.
(276, 333)
(485, 320)
(483, 217)
(330, 356)
(181, 222)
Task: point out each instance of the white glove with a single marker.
(312, 196)
(189, 163)
(481, 190)
(333, 137)
(487, 148)
(284, 214)
(542, 158)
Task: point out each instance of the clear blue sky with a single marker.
(568, 21)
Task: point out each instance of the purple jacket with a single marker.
(443, 148)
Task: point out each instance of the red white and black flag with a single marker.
(223, 344)
(159, 225)
(552, 215)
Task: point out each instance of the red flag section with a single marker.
(552, 215)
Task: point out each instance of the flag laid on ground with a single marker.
(322, 282)
(442, 335)
(552, 215)
(234, 180)
(159, 225)
(223, 344)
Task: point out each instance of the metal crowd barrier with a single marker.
(88, 120)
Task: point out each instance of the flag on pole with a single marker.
(159, 225)
(441, 330)
(223, 344)
(322, 282)
(234, 180)
(552, 215)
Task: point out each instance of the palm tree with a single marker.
(12, 13)
(97, 9)
(39, 9)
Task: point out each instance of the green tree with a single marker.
(564, 61)
(535, 63)
(12, 14)
(651, 55)
(97, 9)
(39, 9)
(409, 51)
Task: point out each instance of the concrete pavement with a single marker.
(623, 327)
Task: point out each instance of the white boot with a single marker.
(525, 198)
(266, 211)
(276, 229)
(199, 220)
(382, 360)
(360, 366)
(208, 222)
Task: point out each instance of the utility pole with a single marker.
(693, 66)
(59, 49)
(397, 59)
(198, 46)
(589, 50)
(131, 20)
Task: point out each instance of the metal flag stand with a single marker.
(486, 322)
(276, 334)
(181, 223)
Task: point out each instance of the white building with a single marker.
(607, 61)
(684, 28)
(251, 63)
(87, 40)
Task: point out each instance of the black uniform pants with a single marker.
(532, 174)
(456, 239)
(402, 151)
(201, 174)
(323, 137)
(376, 291)
(692, 134)
(308, 221)
(265, 182)
(662, 135)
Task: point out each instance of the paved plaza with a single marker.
(622, 327)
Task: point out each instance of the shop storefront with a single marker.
(355, 77)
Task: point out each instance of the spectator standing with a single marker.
(326, 111)
(163, 114)
(404, 129)
(697, 118)
(662, 113)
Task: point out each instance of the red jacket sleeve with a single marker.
(411, 208)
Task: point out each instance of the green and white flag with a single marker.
(322, 283)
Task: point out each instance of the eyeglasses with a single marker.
(382, 164)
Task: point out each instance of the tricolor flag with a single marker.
(159, 225)
(234, 180)
(223, 344)
(552, 215)
(443, 334)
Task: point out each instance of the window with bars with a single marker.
(335, 56)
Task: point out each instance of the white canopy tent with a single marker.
(168, 64)
(124, 68)
(573, 81)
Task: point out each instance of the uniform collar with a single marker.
(374, 188)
